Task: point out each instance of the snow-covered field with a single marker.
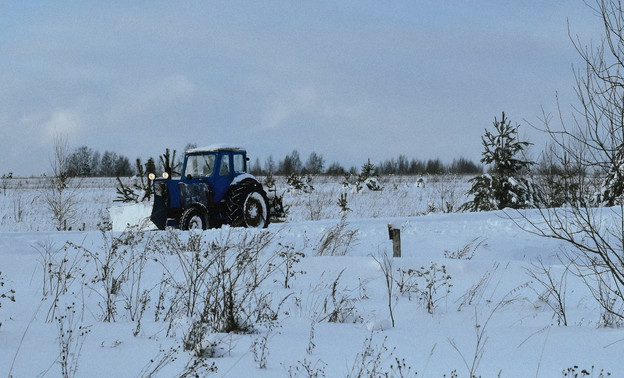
(462, 299)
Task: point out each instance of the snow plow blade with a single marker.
(131, 215)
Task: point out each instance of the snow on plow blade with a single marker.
(131, 215)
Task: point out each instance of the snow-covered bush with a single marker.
(4, 181)
(612, 189)
(8, 294)
(366, 179)
(343, 203)
(300, 183)
(372, 183)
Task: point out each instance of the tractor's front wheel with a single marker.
(194, 218)
(248, 207)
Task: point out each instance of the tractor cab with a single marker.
(215, 166)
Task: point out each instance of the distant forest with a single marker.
(315, 164)
(86, 162)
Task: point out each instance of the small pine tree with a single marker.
(368, 170)
(150, 166)
(612, 189)
(504, 186)
(168, 162)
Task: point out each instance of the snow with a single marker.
(490, 293)
(216, 147)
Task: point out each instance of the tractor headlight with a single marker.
(151, 176)
(165, 175)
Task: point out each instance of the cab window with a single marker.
(239, 163)
(225, 165)
(200, 165)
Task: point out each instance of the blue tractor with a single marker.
(214, 189)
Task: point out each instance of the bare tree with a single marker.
(59, 196)
(315, 163)
(593, 141)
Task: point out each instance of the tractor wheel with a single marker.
(194, 218)
(248, 207)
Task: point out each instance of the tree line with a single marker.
(315, 164)
(86, 162)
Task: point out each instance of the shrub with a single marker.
(307, 369)
(338, 306)
(71, 338)
(554, 288)
(371, 360)
(221, 278)
(575, 372)
(301, 183)
(429, 284)
(337, 240)
(385, 265)
(289, 257)
(60, 270)
(118, 263)
(467, 251)
(5, 293)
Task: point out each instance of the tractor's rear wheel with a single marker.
(194, 218)
(248, 207)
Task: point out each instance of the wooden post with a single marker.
(395, 235)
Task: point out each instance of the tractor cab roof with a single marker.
(215, 148)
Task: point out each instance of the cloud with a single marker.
(292, 103)
(152, 94)
(62, 122)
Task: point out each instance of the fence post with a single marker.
(395, 235)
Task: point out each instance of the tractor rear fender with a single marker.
(243, 177)
(249, 181)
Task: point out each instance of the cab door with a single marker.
(223, 176)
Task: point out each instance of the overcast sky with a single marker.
(350, 80)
